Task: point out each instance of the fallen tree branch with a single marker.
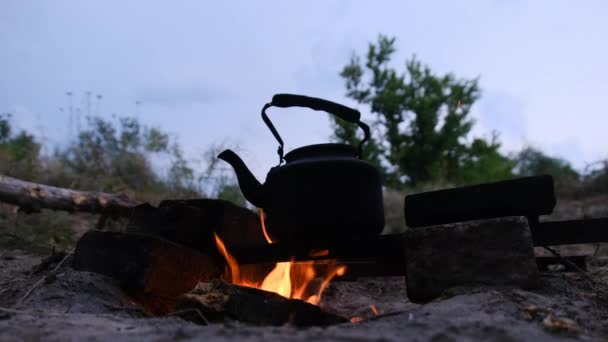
(33, 197)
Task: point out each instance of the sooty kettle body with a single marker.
(317, 192)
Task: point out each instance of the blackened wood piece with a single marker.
(570, 263)
(386, 251)
(488, 252)
(528, 196)
(381, 248)
(34, 196)
(570, 232)
(155, 271)
(217, 301)
(193, 222)
(396, 269)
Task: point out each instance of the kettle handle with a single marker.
(341, 111)
(291, 100)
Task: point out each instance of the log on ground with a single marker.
(33, 197)
(153, 271)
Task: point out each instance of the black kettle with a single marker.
(318, 192)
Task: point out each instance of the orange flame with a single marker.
(264, 226)
(375, 310)
(318, 253)
(289, 279)
(234, 266)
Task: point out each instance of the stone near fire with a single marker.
(217, 301)
(484, 252)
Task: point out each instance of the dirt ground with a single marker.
(75, 306)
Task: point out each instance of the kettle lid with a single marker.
(322, 151)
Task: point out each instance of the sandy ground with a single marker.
(77, 306)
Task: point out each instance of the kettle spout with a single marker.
(250, 186)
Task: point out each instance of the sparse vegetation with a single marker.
(115, 156)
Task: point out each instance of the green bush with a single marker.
(531, 161)
(596, 182)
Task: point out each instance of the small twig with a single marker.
(566, 261)
(48, 261)
(595, 283)
(31, 289)
(200, 314)
(67, 255)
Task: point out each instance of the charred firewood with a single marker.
(193, 222)
(153, 271)
(217, 301)
(527, 196)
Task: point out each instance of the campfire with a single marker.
(294, 280)
(218, 260)
(186, 266)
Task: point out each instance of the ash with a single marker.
(74, 306)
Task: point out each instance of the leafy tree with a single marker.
(596, 181)
(483, 163)
(421, 122)
(531, 161)
(19, 152)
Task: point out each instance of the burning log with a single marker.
(217, 301)
(33, 197)
(153, 271)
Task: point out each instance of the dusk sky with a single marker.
(202, 70)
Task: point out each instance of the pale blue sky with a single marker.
(202, 70)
